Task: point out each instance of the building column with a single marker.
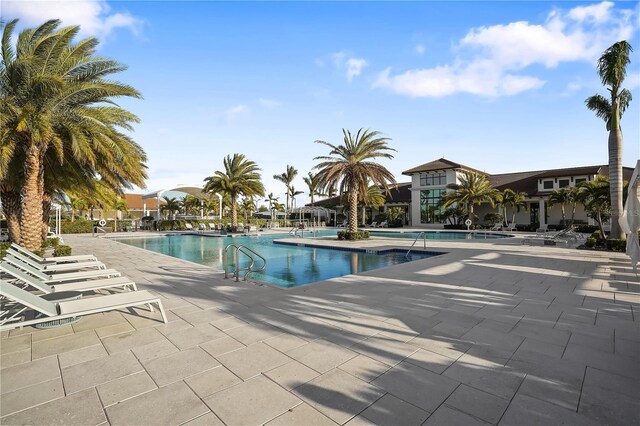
(542, 214)
(144, 208)
(201, 209)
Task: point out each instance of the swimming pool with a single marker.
(287, 265)
(441, 235)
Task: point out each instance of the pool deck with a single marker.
(491, 332)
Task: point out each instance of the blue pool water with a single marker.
(441, 235)
(287, 266)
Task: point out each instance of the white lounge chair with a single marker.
(188, 226)
(383, 224)
(62, 277)
(373, 224)
(44, 260)
(496, 227)
(212, 226)
(343, 224)
(509, 227)
(54, 267)
(72, 308)
(81, 286)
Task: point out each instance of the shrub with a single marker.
(597, 235)
(357, 235)
(590, 243)
(3, 249)
(586, 228)
(616, 244)
(80, 226)
(456, 226)
(62, 250)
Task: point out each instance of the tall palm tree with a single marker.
(118, 205)
(313, 184)
(515, 200)
(612, 69)
(350, 168)
(241, 177)
(171, 205)
(56, 101)
(473, 188)
(287, 178)
(190, 204)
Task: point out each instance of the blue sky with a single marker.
(498, 86)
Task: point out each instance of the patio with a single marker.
(490, 333)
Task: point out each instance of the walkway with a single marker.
(489, 333)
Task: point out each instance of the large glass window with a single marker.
(430, 205)
(433, 179)
(547, 184)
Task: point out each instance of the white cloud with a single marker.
(420, 49)
(489, 59)
(233, 113)
(269, 103)
(95, 17)
(354, 67)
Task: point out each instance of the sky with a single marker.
(497, 86)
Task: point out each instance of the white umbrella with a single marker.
(630, 219)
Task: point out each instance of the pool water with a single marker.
(441, 235)
(287, 265)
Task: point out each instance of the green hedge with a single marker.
(357, 235)
(62, 250)
(79, 226)
(3, 249)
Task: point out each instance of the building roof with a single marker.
(398, 194)
(440, 164)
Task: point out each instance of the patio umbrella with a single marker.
(630, 219)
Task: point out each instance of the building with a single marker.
(429, 183)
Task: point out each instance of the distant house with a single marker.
(136, 205)
(429, 183)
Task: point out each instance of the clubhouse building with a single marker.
(420, 198)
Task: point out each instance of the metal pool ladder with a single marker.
(422, 234)
(251, 254)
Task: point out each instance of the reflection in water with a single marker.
(287, 266)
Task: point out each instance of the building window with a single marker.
(547, 184)
(433, 179)
(430, 205)
(580, 180)
(563, 183)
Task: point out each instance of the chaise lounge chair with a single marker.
(496, 227)
(72, 308)
(46, 260)
(383, 224)
(53, 267)
(62, 277)
(81, 286)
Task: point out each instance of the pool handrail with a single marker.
(247, 252)
(424, 245)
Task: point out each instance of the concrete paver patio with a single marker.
(489, 333)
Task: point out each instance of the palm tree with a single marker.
(248, 207)
(612, 69)
(190, 204)
(76, 203)
(118, 205)
(291, 194)
(287, 178)
(560, 196)
(56, 103)
(515, 200)
(349, 167)
(241, 177)
(171, 205)
(373, 198)
(594, 196)
(473, 188)
(313, 184)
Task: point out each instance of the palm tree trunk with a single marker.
(46, 214)
(31, 215)
(470, 208)
(353, 212)
(615, 175)
(573, 213)
(234, 212)
(563, 215)
(10, 200)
